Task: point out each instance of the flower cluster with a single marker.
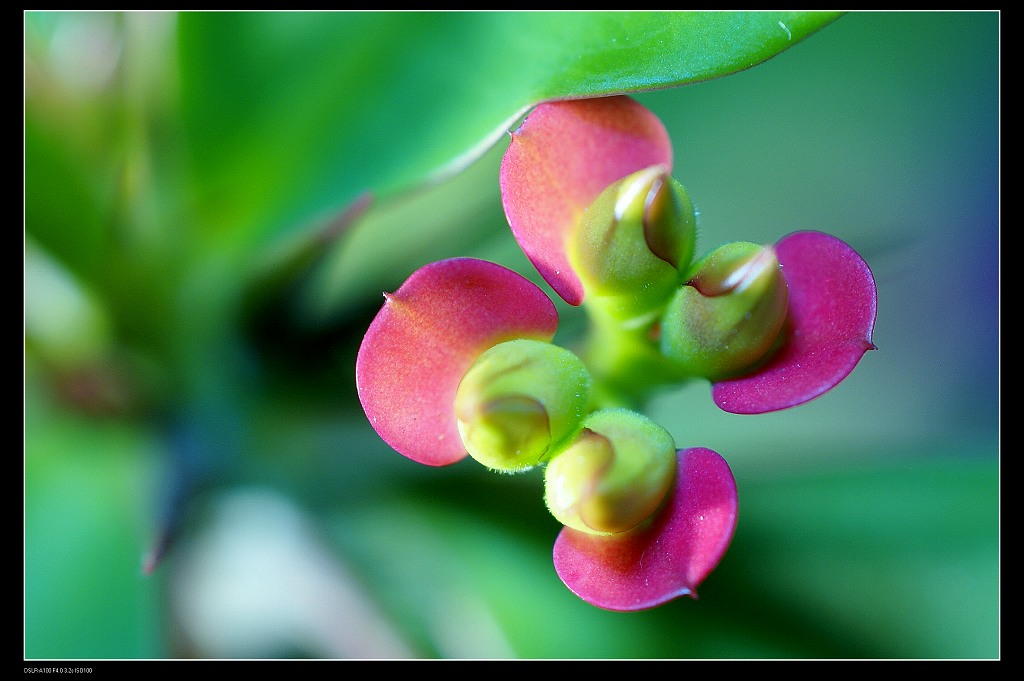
(460, 360)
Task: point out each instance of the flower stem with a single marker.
(624, 359)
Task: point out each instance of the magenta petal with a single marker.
(560, 160)
(832, 304)
(646, 567)
(425, 337)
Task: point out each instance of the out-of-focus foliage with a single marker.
(195, 293)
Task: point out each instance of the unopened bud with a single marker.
(729, 316)
(633, 242)
(519, 401)
(614, 475)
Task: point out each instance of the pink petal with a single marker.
(646, 567)
(425, 337)
(832, 304)
(559, 161)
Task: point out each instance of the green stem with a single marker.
(624, 359)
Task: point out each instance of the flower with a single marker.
(791, 337)
(563, 156)
(828, 328)
(665, 558)
(458, 361)
(424, 340)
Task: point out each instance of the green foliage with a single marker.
(315, 108)
(86, 508)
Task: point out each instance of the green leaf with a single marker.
(291, 115)
(200, 137)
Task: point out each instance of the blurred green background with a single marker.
(195, 294)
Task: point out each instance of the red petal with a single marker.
(647, 567)
(429, 332)
(559, 161)
(832, 304)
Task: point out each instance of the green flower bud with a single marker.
(614, 475)
(729, 316)
(633, 242)
(519, 402)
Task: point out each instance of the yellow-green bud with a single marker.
(519, 401)
(729, 316)
(614, 475)
(633, 242)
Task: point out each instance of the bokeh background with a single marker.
(869, 519)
